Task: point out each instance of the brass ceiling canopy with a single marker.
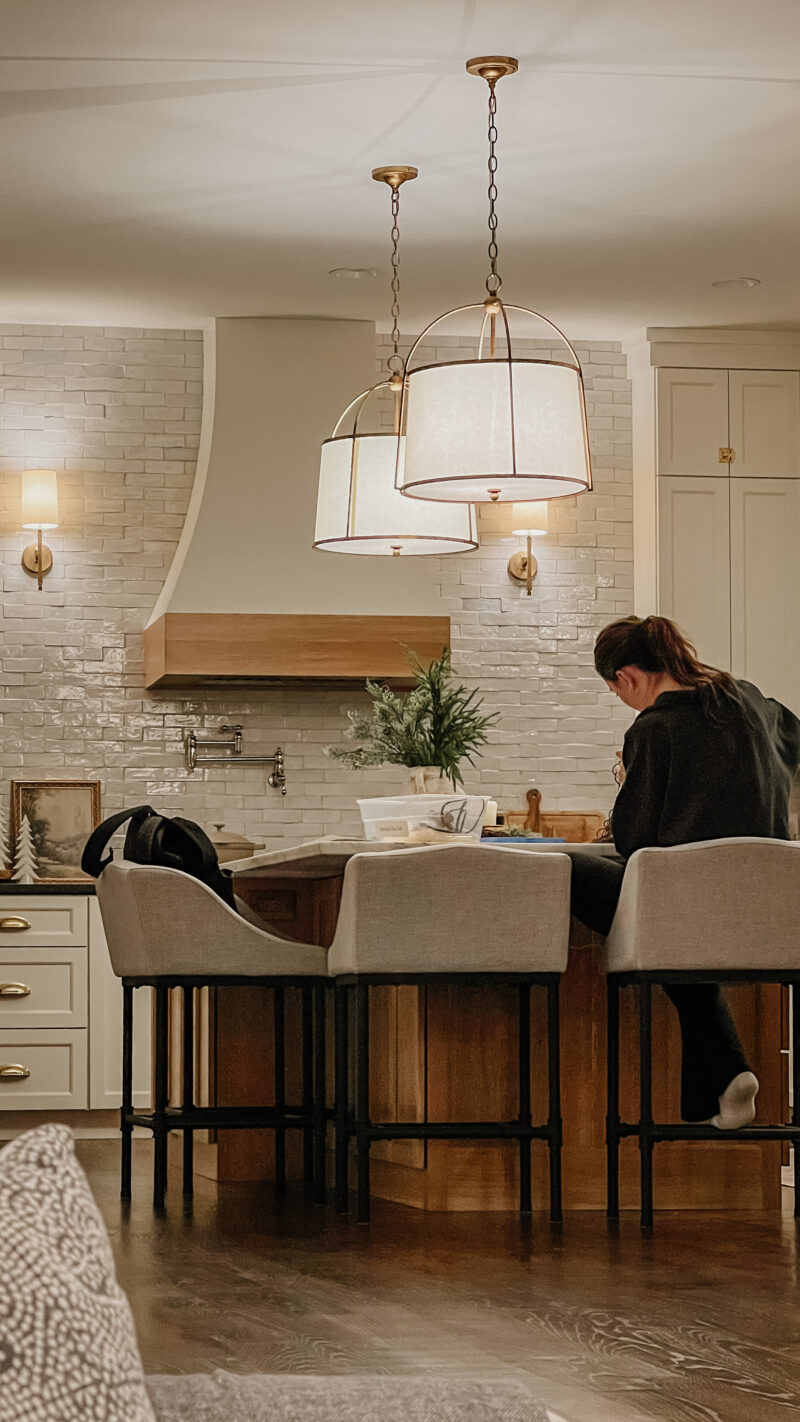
(492, 67)
(395, 174)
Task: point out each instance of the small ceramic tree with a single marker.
(5, 857)
(25, 861)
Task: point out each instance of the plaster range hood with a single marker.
(247, 597)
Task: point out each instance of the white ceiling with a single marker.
(164, 161)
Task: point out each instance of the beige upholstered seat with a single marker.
(412, 915)
(166, 930)
(161, 922)
(720, 904)
(458, 909)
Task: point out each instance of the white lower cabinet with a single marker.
(61, 1009)
(105, 1017)
(43, 1070)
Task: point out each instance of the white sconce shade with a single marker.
(530, 519)
(495, 431)
(39, 498)
(360, 509)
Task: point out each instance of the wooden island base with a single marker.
(450, 1054)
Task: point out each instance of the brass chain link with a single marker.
(494, 281)
(395, 360)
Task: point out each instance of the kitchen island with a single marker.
(450, 1053)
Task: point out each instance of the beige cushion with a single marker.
(722, 903)
(460, 908)
(67, 1342)
(160, 921)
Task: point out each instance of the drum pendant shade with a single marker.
(360, 510)
(495, 430)
(509, 425)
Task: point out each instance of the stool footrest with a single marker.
(200, 1118)
(454, 1130)
(690, 1132)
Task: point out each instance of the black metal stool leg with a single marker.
(362, 1099)
(554, 1117)
(125, 1125)
(188, 1089)
(280, 1089)
(796, 1092)
(160, 1095)
(342, 1103)
(524, 1118)
(308, 1085)
(612, 1109)
(319, 1087)
(646, 1100)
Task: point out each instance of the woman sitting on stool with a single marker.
(708, 757)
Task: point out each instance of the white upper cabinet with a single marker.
(692, 421)
(694, 562)
(764, 423)
(765, 585)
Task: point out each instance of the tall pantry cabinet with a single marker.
(716, 431)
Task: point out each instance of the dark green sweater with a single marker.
(689, 777)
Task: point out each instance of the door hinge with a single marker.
(726, 456)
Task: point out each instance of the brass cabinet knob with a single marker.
(12, 1071)
(13, 924)
(14, 990)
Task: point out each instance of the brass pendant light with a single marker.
(359, 507)
(502, 427)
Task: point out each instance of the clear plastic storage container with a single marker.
(424, 819)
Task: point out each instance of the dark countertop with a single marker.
(7, 886)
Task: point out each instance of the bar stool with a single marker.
(443, 914)
(167, 930)
(722, 911)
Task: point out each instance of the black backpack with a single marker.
(168, 843)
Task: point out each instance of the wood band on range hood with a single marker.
(184, 648)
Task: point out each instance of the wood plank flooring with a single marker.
(699, 1323)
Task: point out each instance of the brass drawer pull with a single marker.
(13, 1072)
(13, 924)
(14, 990)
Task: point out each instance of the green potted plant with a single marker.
(432, 730)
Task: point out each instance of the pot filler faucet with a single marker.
(235, 745)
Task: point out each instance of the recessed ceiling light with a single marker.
(353, 273)
(736, 283)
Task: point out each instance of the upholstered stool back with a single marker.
(161, 922)
(719, 904)
(459, 909)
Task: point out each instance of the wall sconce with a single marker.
(39, 510)
(530, 521)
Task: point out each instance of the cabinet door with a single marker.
(694, 562)
(692, 421)
(105, 1027)
(765, 585)
(765, 423)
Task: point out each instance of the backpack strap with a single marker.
(91, 861)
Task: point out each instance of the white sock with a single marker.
(737, 1104)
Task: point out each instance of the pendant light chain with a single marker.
(395, 360)
(494, 280)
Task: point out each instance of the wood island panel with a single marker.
(450, 1053)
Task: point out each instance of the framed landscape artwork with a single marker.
(51, 821)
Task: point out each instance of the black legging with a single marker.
(712, 1052)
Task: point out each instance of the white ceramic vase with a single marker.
(427, 780)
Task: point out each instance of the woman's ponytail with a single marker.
(655, 644)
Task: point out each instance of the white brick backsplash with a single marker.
(116, 411)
